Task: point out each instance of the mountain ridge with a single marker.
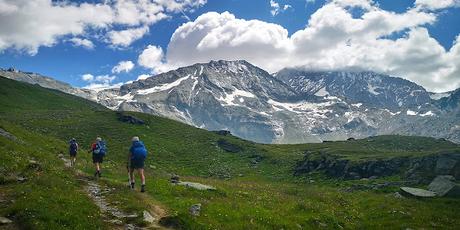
(290, 106)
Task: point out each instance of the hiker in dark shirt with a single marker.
(73, 149)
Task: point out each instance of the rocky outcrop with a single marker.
(419, 169)
(445, 186)
(130, 119)
(417, 192)
(227, 146)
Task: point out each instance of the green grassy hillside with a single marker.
(255, 185)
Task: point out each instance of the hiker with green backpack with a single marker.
(136, 159)
(99, 150)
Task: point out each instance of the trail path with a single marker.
(112, 215)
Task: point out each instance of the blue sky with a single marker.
(57, 56)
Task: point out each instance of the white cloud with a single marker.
(102, 86)
(30, 24)
(106, 79)
(332, 39)
(143, 77)
(436, 4)
(214, 36)
(87, 77)
(124, 38)
(276, 8)
(99, 82)
(82, 42)
(123, 66)
(152, 58)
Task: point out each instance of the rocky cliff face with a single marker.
(420, 169)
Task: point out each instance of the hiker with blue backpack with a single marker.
(73, 149)
(136, 158)
(99, 150)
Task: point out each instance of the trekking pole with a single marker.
(129, 175)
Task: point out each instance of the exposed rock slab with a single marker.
(417, 192)
(445, 186)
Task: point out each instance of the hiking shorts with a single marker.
(97, 158)
(137, 164)
(73, 153)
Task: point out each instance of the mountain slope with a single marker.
(291, 106)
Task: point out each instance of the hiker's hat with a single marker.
(135, 138)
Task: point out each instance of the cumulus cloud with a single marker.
(333, 39)
(35, 23)
(123, 66)
(152, 58)
(124, 38)
(83, 42)
(87, 77)
(437, 4)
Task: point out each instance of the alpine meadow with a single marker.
(229, 114)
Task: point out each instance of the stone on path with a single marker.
(445, 186)
(195, 185)
(4, 220)
(148, 217)
(195, 209)
(417, 192)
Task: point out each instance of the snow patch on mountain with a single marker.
(163, 87)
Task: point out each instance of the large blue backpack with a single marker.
(138, 150)
(101, 149)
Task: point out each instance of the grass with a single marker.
(262, 195)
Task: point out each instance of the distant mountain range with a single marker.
(290, 106)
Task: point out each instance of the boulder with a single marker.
(195, 185)
(174, 179)
(222, 132)
(445, 186)
(445, 165)
(8, 135)
(148, 217)
(4, 220)
(417, 192)
(195, 209)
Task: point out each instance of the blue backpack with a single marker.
(101, 149)
(73, 147)
(138, 150)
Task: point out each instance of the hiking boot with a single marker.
(100, 174)
(143, 188)
(132, 186)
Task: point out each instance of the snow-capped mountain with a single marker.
(290, 106)
(369, 88)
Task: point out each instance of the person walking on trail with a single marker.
(73, 149)
(98, 149)
(136, 158)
